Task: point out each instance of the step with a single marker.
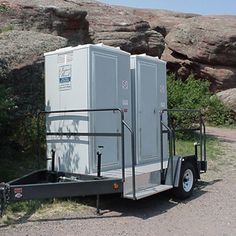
(148, 191)
(142, 181)
(139, 170)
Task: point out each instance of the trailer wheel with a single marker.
(186, 181)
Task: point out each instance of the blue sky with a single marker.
(204, 7)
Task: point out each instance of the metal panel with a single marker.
(105, 95)
(162, 104)
(149, 79)
(67, 189)
(147, 111)
(149, 191)
(66, 89)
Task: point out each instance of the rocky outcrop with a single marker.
(22, 48)
(82, 21)
(58, 19)
(161, 20)
(194, 44)
(30, 28)
(228, 97)
(205, 47)
(119, 27)
(22, 66)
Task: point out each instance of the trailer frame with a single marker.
(44, 183)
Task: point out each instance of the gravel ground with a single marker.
(211, 211)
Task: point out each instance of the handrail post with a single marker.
(38, 139)
(161, 143)
(123, 145)
(133, 166)
(200, 121)
(133, 159)
(171, 155)
(204, 138)
(170, 133)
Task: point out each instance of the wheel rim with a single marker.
(187, 180)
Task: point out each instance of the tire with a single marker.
(186, 182)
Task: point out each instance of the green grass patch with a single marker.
(186, 147)
(4, 8)
(7, 28)
(38, 209)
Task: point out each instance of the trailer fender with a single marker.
(178, 165)
(177, 160)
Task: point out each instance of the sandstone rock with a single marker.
(156, 43)
(206, 39)
(56, 19)
(84, 21)
(228, 97)
(119, 27)
(22, 61)
(221, 77)
(22, 48)
(161, 20)
(205, 47)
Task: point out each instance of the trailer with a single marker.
(108, 130)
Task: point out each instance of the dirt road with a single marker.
(211, 211)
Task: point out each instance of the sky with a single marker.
(203, 7)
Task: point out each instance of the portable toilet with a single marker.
(87, 77)
(149, 95)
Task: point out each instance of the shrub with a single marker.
(4, 8)
(7, 105)
(195, 94)
(218, 114)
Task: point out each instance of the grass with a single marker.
(4, 8)
(16, 164)
(186, 147)
(6, 28)
(21, 211)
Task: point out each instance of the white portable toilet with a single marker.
(87, 77)
(149, 92)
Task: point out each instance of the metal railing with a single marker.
(123, 124)
(172, 140)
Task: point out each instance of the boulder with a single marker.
(118, 27)
(205, 47)
(51, 17)
(22, 66)
(23, 48)
(228, 97)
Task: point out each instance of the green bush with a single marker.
(195, 94)
(6, 107)
(218, 114)
(4, 8)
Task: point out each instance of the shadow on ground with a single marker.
(113, 206)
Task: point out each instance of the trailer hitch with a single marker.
(4, 196)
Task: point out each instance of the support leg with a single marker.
(98, 205)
